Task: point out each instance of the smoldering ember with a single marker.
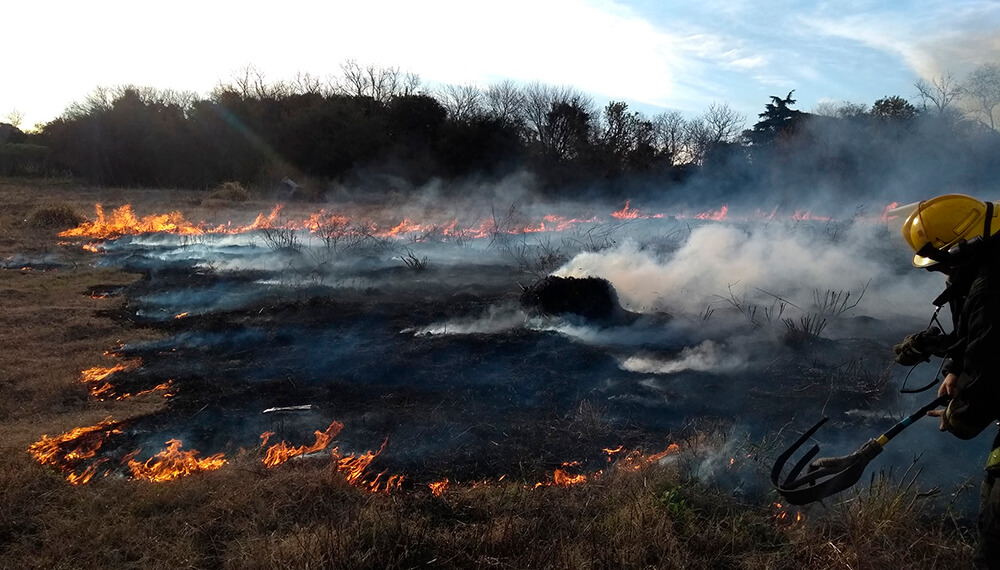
(548, 347)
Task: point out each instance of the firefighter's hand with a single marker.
(946, 388)
(913, 349)
(949, 385)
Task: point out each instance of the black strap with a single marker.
(987, 225)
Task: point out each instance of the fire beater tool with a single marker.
(828, 476)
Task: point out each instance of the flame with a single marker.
(98, 373)
(625, 213)
(672, 448)
(67, 451)
(883, 217)
(782, 515)
(124, 222)
(282, 452)
(353, 467)
(562, 478)
(714, 215)
(181, 315)
(172, 463)
(102, 390)
(81, 442)
(87, 474)
(438, 487)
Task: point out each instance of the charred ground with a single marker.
(518, 401)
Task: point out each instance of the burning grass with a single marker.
(634, 510)
(294, 518)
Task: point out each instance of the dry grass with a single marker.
(302, 515)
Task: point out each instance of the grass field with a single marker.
(306, 515)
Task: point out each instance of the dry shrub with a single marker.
(230, 192)
(55, 216)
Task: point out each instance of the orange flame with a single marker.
(74, 445)
(438, 487)
(783, 515)
(883, 217)
(282, 452)
(102, 390)
(68, 450)
(564, 479)
(626, 213)
(714, 215)
(87, 474)
(172, 463)
(124, 222)
(353, 467)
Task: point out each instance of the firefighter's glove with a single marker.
(919, 347)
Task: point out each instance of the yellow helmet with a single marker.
(944, 222)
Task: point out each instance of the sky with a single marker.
(655, 55)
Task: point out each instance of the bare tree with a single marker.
(696, 141)
(841, 110)
(668, 130)
(379, 83)
(724, 123)
(14, 118)
(97, 101)
(505, 102)
(540, 100)
(249, 82)
(720, 124)
(982, 89)
(303, 83)
(940, 92)
(463, 102)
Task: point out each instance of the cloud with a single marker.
(930, 38)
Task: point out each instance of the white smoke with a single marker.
(708, 356)
(720, 264)
(495, 320)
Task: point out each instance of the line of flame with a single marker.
(172, 463)
(282, 452)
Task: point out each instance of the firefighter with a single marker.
(953, 234)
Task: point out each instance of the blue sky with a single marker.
(655, 55)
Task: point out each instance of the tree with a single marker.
(668, 133)
(724, 123)
(982, 88)
(893, 109)
(505, 102)
(626, 139)
(463, 102)
(379, 83)
(841, 110)
(540, 100)
(777, 120)
(567, 129)
(720, 126)
(940, 92)
(15, 118)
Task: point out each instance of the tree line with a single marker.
(380, 127)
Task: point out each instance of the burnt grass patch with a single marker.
(516, 402)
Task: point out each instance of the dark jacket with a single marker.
(974, 299)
